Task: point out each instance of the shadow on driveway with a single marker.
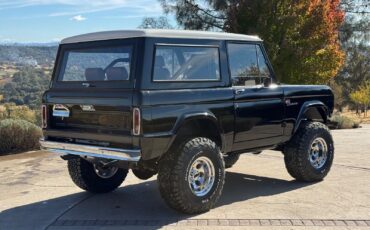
(133, 203)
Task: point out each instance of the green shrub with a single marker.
(18, 135)
(342, 122)
(22, 112)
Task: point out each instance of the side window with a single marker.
(263, 68)
(243, 64)
(165, 60)
(184, 63)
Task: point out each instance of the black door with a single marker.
(259, 107)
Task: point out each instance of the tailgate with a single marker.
(100, 117)
(91, 94)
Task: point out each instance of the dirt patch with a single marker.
(5, 80)
(31, 154)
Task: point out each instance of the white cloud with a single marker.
(73, 7)
(78, 18)
(130, 16)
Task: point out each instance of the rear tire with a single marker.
(85, 176)
(309, 154)
(185, 176)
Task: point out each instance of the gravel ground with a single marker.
(37, 193)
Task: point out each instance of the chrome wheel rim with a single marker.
(104, 171)
(201, 176)
(318, 153)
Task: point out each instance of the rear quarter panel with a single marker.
(162, 110)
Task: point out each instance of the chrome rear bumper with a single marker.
(132, 155)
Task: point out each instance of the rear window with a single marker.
(184, 63)
(96, 64)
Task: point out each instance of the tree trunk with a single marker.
(365, 113)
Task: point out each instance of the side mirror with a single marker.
(267, 81)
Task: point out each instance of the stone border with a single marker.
(216, 222)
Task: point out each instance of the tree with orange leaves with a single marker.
(301, 36)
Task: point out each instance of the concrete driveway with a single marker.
(37, 193)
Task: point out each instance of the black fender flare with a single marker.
(201, 115)
(322, 108)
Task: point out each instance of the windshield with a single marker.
(96, 64)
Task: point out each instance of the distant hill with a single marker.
(27, 54)
(25, 71)
(29, 43)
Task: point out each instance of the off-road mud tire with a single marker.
(296, 152)
(83, 175)
(173, 175)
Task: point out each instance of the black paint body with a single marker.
(245, 118)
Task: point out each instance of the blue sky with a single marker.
(52, 20)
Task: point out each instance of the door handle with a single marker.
(239, 91)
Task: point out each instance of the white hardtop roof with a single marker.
(192, 34)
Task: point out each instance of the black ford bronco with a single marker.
(180, 104)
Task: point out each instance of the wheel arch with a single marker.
(312, 111)
(203, 124)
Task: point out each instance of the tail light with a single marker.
(44, 116)
(136, 121)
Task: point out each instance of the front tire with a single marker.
(93, 178)
(309, 155)
(191, 177)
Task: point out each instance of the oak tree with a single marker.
(301, 37)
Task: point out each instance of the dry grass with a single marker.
(354, 116)
(18, 136)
